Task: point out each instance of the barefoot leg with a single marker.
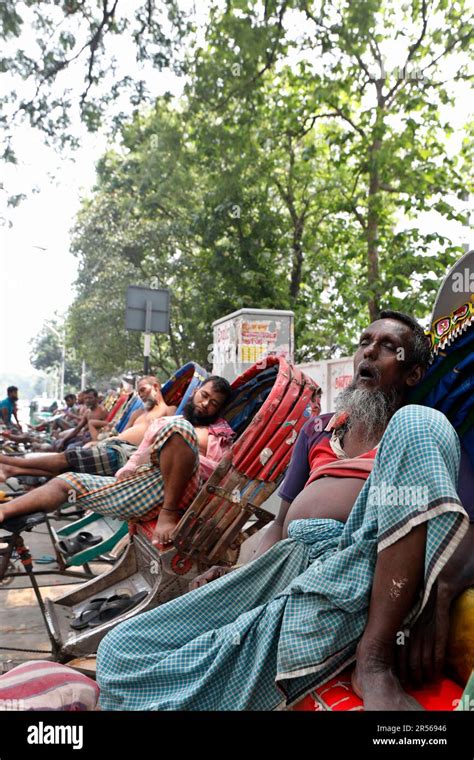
(46, 498)
(397, 580)
(54, 464)
(177, 462)
(8, 471)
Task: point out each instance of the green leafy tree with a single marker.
(65, 53)
(46, 353)
(376, 74)
(219, 215)
(290, 175)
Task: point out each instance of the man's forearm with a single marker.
(274, 533)
(458, 573)
(76, 430)
(271, 536)
(74, 417)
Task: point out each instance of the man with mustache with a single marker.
(103, 458)
(338, 575)
(160, 479)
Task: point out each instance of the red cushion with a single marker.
(44, 685)
(337, 695)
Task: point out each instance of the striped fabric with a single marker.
(142, 495)
(273, 630)
(43, 685)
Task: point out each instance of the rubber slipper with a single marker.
(83, 540)
(32, 480)
(92, 608)
(45, 559)
(113, 608)
(82, 620)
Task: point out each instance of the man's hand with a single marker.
(422, 656)
(124, 475)
(217, 571)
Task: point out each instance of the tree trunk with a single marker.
(297, 258)
(174, 349)
(372, 240)
(373, 214)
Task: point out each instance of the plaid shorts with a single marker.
(143, 494)
(103, 459)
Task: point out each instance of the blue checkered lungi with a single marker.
(285, 623)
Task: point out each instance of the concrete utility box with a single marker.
(332, 375)
(247, 336)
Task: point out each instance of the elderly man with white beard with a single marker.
(340, 572)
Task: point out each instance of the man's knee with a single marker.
(176, 446)
(112, 645)
(178, 435)
(415, 422)
(58, 484)
(423, 417)
(61, 459)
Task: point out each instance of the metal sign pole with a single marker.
(147, 311)
(147, 341)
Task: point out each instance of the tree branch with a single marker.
(344, 116)
(93, 44)
(390, 189)
(413, 48)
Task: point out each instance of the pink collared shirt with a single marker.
(219, 441)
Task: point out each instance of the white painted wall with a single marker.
(332, 375)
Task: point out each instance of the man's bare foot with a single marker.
(167, 522)
(376, 683)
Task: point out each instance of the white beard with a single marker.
(369, 411)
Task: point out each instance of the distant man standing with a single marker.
(8, 407)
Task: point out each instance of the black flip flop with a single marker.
(112, 608)
(82, 620)
(90, 611)
(83, 540)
